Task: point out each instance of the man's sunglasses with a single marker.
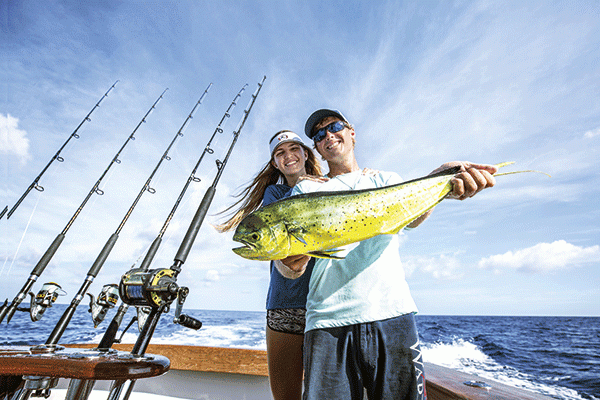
(332, 127)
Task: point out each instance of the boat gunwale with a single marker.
(441, 383)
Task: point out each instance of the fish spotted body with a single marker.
(319, 223)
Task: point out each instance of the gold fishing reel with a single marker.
(153, 288)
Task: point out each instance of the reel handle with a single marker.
(188, 322)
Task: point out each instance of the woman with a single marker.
(286, 298)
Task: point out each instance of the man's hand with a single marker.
(471, 179)
(314, 178)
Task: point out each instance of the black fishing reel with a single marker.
(107, 299)
(153, 289)
(44, 299)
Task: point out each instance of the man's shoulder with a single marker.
(386, 178)
(306, 186)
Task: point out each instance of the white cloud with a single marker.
(12, 139)
(592, 133)
(212, 275)
(441, 267)
(542, 257)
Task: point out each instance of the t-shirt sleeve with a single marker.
(306, 186)
(390, 178)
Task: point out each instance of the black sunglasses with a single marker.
(332, 127)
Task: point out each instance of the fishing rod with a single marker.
(99, 311)
(36, 312)
(61, 326)
(158, 288)
(109, 294)
(35, 185)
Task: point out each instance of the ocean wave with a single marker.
(233, 335)
(465, 356)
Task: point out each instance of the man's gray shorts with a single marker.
(382, 358)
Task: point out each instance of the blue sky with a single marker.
(423, 83)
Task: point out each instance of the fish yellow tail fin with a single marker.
(516, 172)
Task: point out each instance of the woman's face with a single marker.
(290, 158)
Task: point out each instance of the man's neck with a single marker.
(344, 167)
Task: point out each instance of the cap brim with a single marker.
(317, 117)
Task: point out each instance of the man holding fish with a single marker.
(360, 328)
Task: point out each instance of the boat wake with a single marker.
(467, 357)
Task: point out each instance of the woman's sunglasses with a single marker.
(332, 127)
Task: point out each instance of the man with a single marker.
(360, 328)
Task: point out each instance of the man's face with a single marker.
(334, 144)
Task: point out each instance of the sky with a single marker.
(423, 83)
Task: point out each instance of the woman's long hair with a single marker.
(251, 197)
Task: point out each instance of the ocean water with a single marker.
(555, 356)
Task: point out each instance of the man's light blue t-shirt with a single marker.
(369, 283)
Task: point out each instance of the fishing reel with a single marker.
(154, 289)
(44, 299)
(107, 299)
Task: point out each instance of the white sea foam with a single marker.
(234, 335)
(467, 357)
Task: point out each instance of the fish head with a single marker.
(261, 240)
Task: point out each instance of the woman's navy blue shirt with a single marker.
(284, 292)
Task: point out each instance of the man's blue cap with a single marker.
(317, 117)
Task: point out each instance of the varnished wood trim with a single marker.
(81, 364)
(445, 384)
(207, 359)
(441, 383)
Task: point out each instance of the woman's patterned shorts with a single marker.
(288, 320)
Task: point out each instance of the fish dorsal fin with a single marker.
(445, 172)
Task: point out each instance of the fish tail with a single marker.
(503, 164)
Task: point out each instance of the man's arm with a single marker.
(471, 179)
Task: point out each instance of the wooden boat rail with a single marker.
(441, 383)
(82, 361)
(77, 363)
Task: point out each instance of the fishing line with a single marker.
(37, 201)
(9, 311)
(23, 236)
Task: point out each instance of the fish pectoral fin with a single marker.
(326, 254)
(297, 232)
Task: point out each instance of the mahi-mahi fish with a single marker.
(320, 223)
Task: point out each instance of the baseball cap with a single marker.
(318, 116)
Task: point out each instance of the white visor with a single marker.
(283, 137)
